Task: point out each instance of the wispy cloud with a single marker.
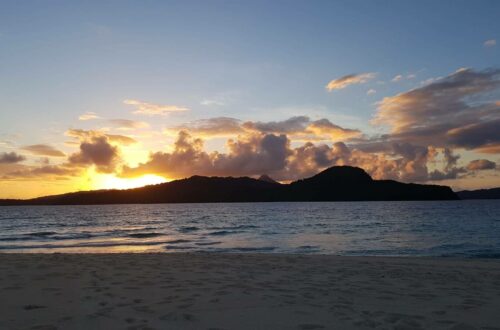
(490, 43)
(397, 78)
(126, 124)
(44, 150)
(371, 91)
(213, 102)
(152, 109)
(88, 116)
(83, 135)
(350, 79)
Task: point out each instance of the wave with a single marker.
(42, 233)
(208, 243)
(245, 249)
(177, 247)
(223, 232)
(145, 235)
(178, 241)
(234, 227)
(187, 229)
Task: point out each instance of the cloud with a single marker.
(95, 151)
(299, 127)
(213, 102)
(84, 135)
(211, 127)
(55, 171)
(152, 109)
(397, 78)
(303, 128)
(120, 139)
(11, 158)
(256, 153)
(371, 91)
(88, 116)
(481, 164)
(248, 155)
(44, 150)
(291, 125)
(490, 43)
(451, 170)
(325, 128)
(450, 112)
(350, 79)
(99, 152)
(127, 124)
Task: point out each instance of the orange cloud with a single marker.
(350, 79)
(151, 109)
(84, 135)
(88, 116)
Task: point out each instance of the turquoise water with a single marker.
(441, 228)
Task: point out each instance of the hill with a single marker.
(339, 183)
(493, 193)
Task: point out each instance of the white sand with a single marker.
(228, 291)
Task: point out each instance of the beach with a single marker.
(246, 291)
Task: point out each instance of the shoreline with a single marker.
(246, 291)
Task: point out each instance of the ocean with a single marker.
(469, 228)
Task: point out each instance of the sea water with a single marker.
(469, 228)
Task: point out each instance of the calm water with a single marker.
(454, 228)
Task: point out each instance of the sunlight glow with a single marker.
(110, 181)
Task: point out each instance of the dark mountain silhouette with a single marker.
(339, 183)
(267, 178)
(493, 193)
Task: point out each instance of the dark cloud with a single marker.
(481, 164)
(291, 125)
(211, 127)
(99, 152)
(10, 158)
(44, 150)
(456, 111)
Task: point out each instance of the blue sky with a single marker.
(251, 60)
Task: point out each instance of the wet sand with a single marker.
(249, 291)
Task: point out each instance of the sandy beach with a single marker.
(249, 291)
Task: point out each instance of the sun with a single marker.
(110, 181)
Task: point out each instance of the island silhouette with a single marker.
(338, 183)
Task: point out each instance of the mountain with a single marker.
(493, 193)
(267, 178)
(338, 183)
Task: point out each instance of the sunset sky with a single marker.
(130, 93)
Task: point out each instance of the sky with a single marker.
(119, 94)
